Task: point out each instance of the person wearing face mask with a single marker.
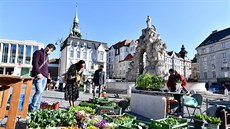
(40, 73)
(99, 80)
(73, 78)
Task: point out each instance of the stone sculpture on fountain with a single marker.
(151, 44)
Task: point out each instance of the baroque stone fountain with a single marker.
(149, 56)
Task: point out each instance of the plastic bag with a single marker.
(190, 101)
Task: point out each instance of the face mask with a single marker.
(49, 51)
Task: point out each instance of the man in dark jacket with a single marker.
(40, 73)
(98, 80)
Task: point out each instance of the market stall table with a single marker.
(211, 98)
(16, 82)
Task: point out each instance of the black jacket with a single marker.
(99, 77)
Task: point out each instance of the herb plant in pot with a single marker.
(199, 121)
(149, 82)
(213, 122)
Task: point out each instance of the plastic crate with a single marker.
(115, 119)
(135, 124)
(100, 100)
(157, 124)
(108, 110)
(46, 105)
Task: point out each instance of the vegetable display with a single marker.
(150, 81)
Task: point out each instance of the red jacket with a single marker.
(173, 79)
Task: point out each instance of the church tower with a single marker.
(75, 29)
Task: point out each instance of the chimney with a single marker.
(214, 31)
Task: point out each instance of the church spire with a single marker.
(75, 30)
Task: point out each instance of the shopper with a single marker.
(73, 78)
(99, 80)
(40, 73)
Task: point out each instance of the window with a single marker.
(212, 57)
(78, 54)
(13, 53)
(224, 55)
(203, 50)
(5, 52)
(213, 66)
(205, 65)
(222, 45)
(226, 74)
(211, 49)
(35, 48)
(225, 64)
(214, 74)
(78, 44)
(84, 54)
(205, 75)
(92, 66)
(100, 55)
(20, 53)
(28, 53)
(85, 45)
(71, 53)
(72, 43)
(1, 70)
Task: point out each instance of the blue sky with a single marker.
(178, 22)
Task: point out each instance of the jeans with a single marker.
(94, 90)
(40, 85)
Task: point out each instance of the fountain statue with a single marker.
(150, 45)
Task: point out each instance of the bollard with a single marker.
(129, 91)
(90, 89)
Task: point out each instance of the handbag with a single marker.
(78, 78)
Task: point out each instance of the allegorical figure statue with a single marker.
(148, 21)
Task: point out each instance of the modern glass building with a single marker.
(16, 56)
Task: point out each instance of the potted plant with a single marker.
(199, 121)
(149, 82)
(213, 122)
(51, 118)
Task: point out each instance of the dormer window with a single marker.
(78, 44)
(85, 45)
(72, 43)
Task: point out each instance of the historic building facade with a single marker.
(74, 48)
(213, 58)
(118, 58)
(16, 56)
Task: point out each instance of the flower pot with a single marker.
(213, 126)
(198, 124)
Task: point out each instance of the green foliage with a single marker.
(213, 120)
(200, 116)
(87, 104)
(50, 118)
(209, 119)
(150, 81)
(80, 108)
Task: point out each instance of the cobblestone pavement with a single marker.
(58, 96)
